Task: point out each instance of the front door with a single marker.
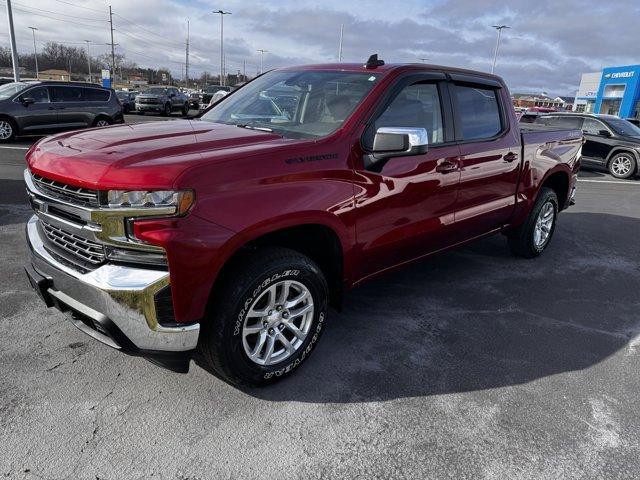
(40, 115)
(598, 142)
(405, 208)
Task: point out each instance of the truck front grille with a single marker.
(69, 193)
(80, 248)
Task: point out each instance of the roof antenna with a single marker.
(373, 61)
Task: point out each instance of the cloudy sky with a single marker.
(550, 44)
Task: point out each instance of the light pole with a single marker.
(340, 44)
(88, 58)
(262, 52)
(222, 14)
(14, 50)
(499, 28)
(35, 52)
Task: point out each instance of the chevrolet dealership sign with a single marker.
(607, 76)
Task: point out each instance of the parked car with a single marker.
(235, 232)
(611, 143)
(164, 100)
(635, 121)
(210, 90)
(195, 100)
(37, 107)
(128, 100)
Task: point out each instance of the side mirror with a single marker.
(27, 101)
(604, 133)
(389, 142)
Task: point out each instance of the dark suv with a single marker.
(164, 100)
(45, 107)
(610, 142)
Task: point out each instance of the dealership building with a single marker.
(614, 91)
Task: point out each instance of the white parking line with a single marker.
(15, 148)
(619, 182)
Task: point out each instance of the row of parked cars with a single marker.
(40, 107)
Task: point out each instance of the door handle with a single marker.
(510, 157)
(52, 108)
(448, 166)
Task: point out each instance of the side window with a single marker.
(563, 122)
(39, 95)
(479, 112)
(416, 105)
(97, 95)
(592, 127)
(67, 94)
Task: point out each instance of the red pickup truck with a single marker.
(234, 232)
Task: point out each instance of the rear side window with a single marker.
(593, 127)
(418, 106)
(97, 95)
(67, 94)
(479, 112)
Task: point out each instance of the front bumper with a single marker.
(149, 107)
(113, 303)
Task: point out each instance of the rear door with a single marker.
(405, 207)
(489, 141)
(37, 116)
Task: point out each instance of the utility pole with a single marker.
(88, 58)
(262, 52)
(340, 46)
(14, 50)
(222, 14)
(499, 28)
(186, 65)
(113, 47)
(35, 52)
(244, 70)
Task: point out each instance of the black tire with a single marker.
(102, 122)
(8, 129)
(185, 110)
(126, 109)
(167, 110)
(622, 165)
(221, 341)
(522, 240)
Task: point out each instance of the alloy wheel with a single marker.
(544, 225)
(621, 165)
(6, 130)
(277, 323)
(102, 123)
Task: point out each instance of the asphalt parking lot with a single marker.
(473, 364)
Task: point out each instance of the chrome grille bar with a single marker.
(79, 247)
(67, 192)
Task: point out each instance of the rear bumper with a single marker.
(113, 303)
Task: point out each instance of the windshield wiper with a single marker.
(251, 127)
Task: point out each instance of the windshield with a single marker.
(623, 127)
(295, 104)
(10, 89)
(156, 91)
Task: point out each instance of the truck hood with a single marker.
(148, 155)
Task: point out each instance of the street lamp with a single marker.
(262, 52)
(499, 28)
(35, 52)
(88, 58)
(222, 14)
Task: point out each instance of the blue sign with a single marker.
(619, 91)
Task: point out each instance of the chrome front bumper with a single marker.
(113, 303)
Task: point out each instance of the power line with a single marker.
(79, 6)
(143, 39)
(50, 17)
(140, 27)
(61, 14)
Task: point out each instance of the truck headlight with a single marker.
(181, 200)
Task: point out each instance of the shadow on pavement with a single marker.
(479, 318)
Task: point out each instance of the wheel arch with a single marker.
(13, 122)
(617, 150)
(558, 181)
(319, 240)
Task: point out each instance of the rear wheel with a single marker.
(622, 165)
(7, 130)
(102, 122)
(266, 319)
(532, 237)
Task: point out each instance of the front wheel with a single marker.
(167, 110)
(266, 319)
(102, 122)
(7, 130)
(622, 165)
(532, 237)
